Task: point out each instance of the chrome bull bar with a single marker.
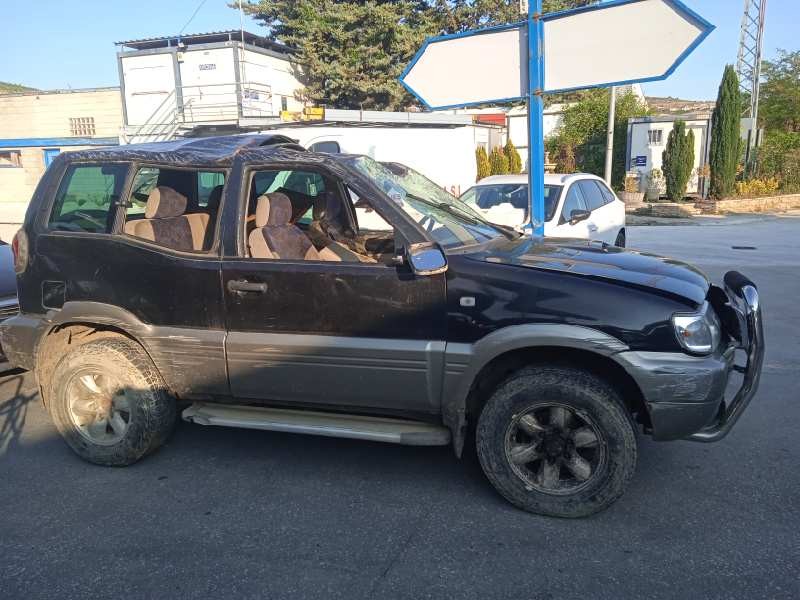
(744, 299)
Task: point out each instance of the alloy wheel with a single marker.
(98, 407)
(555, 449)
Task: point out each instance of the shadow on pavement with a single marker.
(14, 410)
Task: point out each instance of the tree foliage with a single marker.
(482, 162)
(780, 93)
(678, 161)
(565, 159)
(725, 135)
(583, 131)
(499, 162)
(351, 52)
(779, 157)
(514, 159)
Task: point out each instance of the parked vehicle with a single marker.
(436, 146)
(9, 305)
(232, 273)
(576, 206)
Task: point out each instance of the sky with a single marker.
(49, 44)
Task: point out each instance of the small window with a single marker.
(87, 198)
(209, 186)
(368, 218)
(10, 159)
(591, 194)
(328, 147)
(82, 126)
(284, 103)
(193, 198)
(573, 201)
(655, 137)
(304, 182)
(608, 195)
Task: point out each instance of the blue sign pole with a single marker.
(536, 116)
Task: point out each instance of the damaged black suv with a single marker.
(258, 285)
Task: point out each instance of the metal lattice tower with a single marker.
(748, 65)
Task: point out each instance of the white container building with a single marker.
(223, 81)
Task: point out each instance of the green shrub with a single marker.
(499, 162)
(790, 175)
(752, 188)
(482, 162)
(779, 156)
(514, 159)
(565, 159)
(678, 161)
(725, 135)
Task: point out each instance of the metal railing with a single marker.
(201, 105)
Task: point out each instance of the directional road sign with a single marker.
(606, 44)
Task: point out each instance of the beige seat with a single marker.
(166, 224)
(274, 235)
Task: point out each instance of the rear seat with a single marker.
(166, 224)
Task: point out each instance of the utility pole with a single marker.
(748, 67)
(612, 112)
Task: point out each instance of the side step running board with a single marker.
(376, 429)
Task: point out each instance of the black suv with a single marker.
(258, 285)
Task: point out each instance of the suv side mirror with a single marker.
(426, 259)
(578, 215)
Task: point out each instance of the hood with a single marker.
(599, 261)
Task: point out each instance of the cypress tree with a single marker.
(499, 162)
(678, 161)
(514, 159)
(482, 162)
(725, 136)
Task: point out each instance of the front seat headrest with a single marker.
(164, 202)
(273, 210)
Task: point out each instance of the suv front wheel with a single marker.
(557, 441)
(109, 402)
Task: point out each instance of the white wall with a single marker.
(444, 155)
(278, 74)
(148, 81)
(640, 146)
(208, 80)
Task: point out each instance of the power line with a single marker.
(194, 14)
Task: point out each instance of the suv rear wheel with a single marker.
(109, 403)
(557, 441)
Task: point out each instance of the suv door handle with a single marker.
(592, 227)
(241, 286)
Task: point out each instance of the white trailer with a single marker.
(440, 146)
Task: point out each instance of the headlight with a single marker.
(698, 333)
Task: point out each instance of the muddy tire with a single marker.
(109, 402)
(557, 441)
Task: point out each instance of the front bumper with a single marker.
(685, 395)
(744, 301)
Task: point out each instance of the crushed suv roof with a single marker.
(218, 150)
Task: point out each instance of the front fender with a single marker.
(464, 362)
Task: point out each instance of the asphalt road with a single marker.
(222, 513)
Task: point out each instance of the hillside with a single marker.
(13, 88)
(676, 106)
